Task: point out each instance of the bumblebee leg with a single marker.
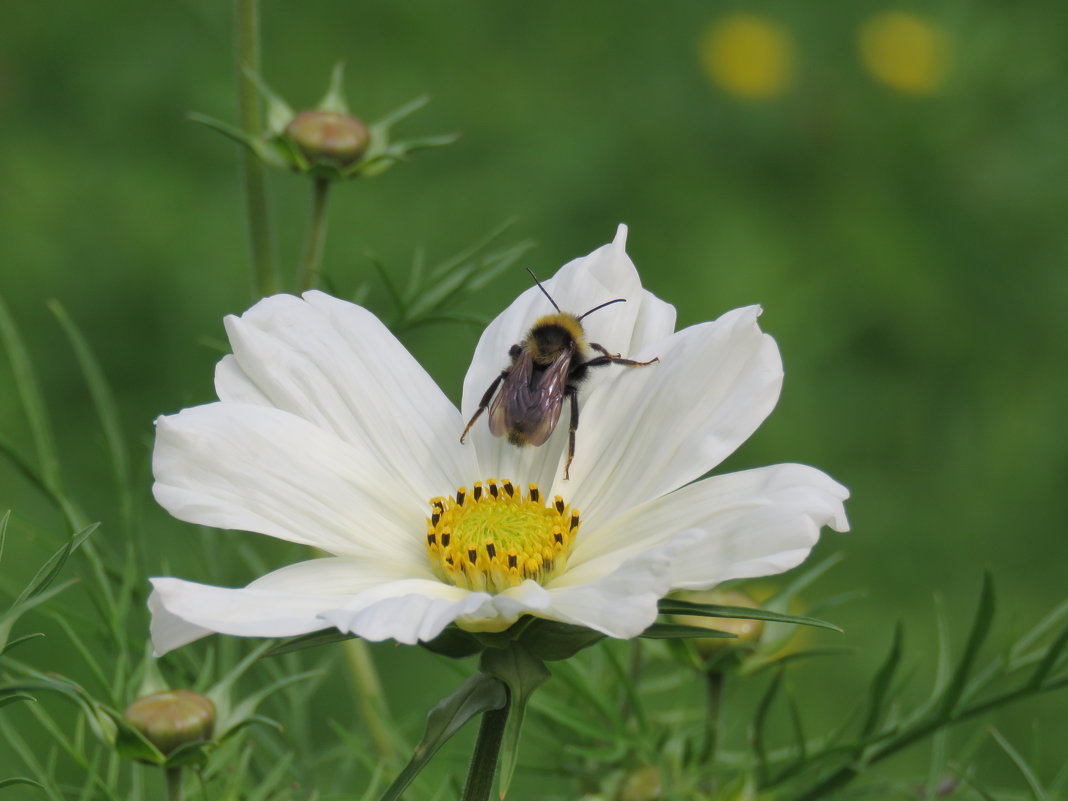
(601, 361)
(602, 349)
(484, 402)
(570, 391)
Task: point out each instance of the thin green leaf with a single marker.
(980, 628)
(674, 606)
(15, 697)
(104, 401)
(759, 721)
(780, 601)
(666, 631)
(1049, 661)
(47, 573)
(754, 666)
(3, 532)
(457, 260)
(32, 400)
(15, 643)
(20, 780)
(880, 685)
(479, 694)
(11, 616)
(1021, 765)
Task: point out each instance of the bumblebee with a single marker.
(547, 367)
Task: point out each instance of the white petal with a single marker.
(254, 468)
(336, 365)
(649, 430)
(233, 386)
(283, 603)
(756, 523)
(620, 600)
(605, 274)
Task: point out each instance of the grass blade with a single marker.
(984, 616)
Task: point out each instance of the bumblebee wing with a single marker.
(518, 377)
(530, 407)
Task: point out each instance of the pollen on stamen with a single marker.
(500, 540)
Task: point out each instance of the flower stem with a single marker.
(247, 46)
(713, 709)
(173, 778)
(369, 696)
(487, 752)
(316, 235)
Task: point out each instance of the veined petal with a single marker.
(283, 603)
(337, 366)
(649, 430)
(755, 523)
(605, 274)
(255, 468)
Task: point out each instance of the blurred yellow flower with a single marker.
(905, 52)
(747, 55)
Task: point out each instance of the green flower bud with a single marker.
(329, 136)
(172, 718)
(747, 632)
(641, 784)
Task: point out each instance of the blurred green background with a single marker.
(889, 181)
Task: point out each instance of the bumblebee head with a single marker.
(552, 334)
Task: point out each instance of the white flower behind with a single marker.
(328, 433)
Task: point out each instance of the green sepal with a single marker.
(279, 112)
(551, 641)
(673, 606)
(479, 694)
(523, 672)
(191, 754)
(455, 643)
(334, 99)
(131, 744)
(259, 147)
(313, 640)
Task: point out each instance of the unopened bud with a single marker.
(329, 136)
(172, 718)
(641, 784)
(747, 632)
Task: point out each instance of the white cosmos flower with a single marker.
(328, 433)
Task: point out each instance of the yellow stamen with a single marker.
(495, 538)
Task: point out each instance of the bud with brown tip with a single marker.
(329, 136)
(172, 718)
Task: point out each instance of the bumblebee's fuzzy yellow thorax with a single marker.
(551, 334)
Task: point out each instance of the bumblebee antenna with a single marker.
(608, 303)
(543, 289)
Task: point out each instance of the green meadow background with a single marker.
(907, 241)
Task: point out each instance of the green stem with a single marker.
(487, 752)
(315, 237)
(247, 46)
(714, 681)
(369, 697)
(173, 778)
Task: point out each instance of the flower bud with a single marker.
(329, 136)
(747, 632)
(641, 784)
(172, 718)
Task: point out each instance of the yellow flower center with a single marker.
(493, 538)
